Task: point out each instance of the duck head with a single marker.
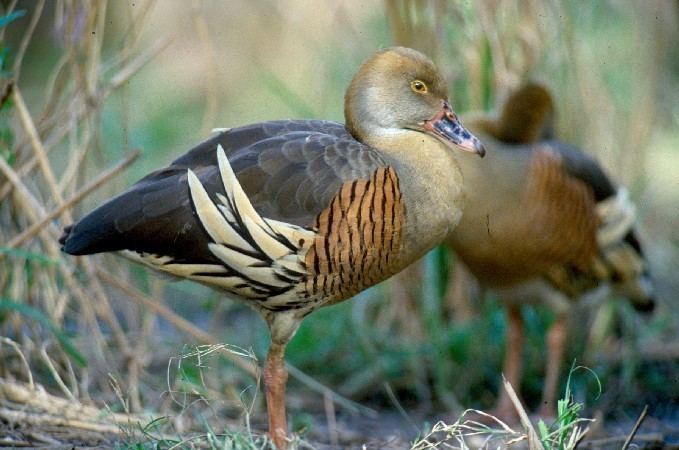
(401, 89)
(527, 116)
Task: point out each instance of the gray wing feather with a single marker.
(290, 170)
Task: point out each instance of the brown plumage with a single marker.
(543, 223)
(553, 223)
(359, 236)
(295, 215)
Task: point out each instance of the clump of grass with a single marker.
(187, 390)
(466, 433)
(565, 433)
(569, 428)
(151, 436)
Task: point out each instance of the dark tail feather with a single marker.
(640, 292)
(64, 237)
(639, 289)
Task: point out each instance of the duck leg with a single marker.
(556, 343)
(275, 378)
(512, 364)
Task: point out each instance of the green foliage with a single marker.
(566, 431)
(27, 255)
(6, 19)
(6, 134)
(487, 94)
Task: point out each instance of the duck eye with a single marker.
(419, 87)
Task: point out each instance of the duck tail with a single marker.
(622, 253)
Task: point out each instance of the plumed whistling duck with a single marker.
(543, 222)
(298, 214)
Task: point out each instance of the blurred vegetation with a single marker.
(101, 79)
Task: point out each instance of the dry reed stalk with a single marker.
(27, 368)
(39, 149)
(73, 102)
(533, 438)
(80, 111)
(97, 182)
(78, 146)
(201, 336)
(175, 319)
(102, 306)
(211, 85)
(42, 419)
(37, 12)
(43, 408)
(34, 212)
(55, 373)
(23, 192)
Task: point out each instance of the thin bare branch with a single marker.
(16, 69)
(77, 197)
(38, 148)
(124, 74)
(637, 424)
(533, 439)
(175, 319)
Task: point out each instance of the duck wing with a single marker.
(290, 171)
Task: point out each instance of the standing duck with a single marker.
(298, 214)
(543, 223)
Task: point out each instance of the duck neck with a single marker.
(431, 184)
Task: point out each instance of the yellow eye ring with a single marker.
(419, 86)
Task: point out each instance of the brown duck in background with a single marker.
(543, 223)
(295, 215)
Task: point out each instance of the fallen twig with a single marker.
(648, 440)
(533, 439)
(641, 418)
(40, 407)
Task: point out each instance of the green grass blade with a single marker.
(39, 316)
(25, 254)
(5, 20)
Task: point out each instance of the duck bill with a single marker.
(446, 126)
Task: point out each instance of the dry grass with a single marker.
(45, 175)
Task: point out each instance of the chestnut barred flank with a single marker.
(359, 237)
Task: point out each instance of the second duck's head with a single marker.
(401, 89)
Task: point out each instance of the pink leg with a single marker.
(459, 301)
(275, 377)
(556, 343)
(512, 364)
